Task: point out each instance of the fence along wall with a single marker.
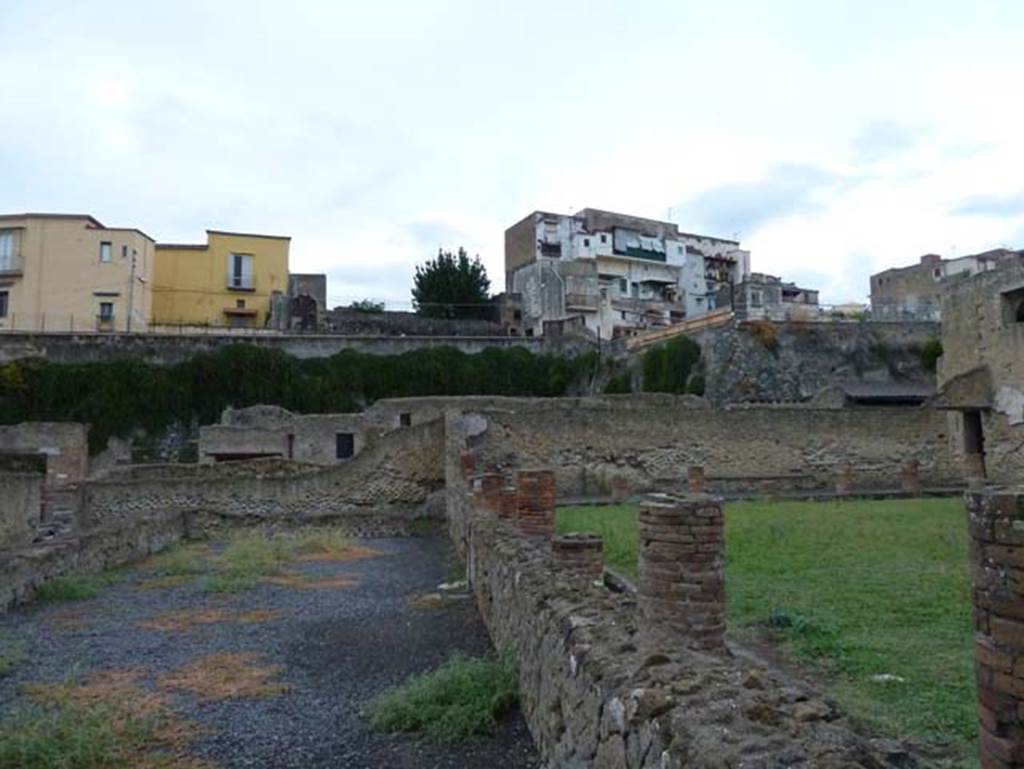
(653, 439)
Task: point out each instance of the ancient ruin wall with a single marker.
(655, 439)
(64, 444)
(20, 508)
(394, 478)
(600, 689)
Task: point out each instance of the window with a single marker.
(1020, 312)
(124, 252)
(623, 286)
(755, 298)
(937, 272)
(405, 419)
(240, 304)
(106, 311)
(344, 445)
(7, 253)
(604, 238)
(4, 303)
(240, 272)
(586, 242)
(1013, 307)
(105, 251)
(517, 315)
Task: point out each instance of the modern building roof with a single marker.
(92, 221)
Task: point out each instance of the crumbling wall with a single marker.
(20, 508)
(394, 478)
(652, 439)
(791, 362)
(600, 688)
(64, 444)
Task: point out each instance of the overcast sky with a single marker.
(833, 138)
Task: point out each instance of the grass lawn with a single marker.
(861, 588)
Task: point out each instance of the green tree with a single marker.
(452, 286)
(367, 305)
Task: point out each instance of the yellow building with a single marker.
(67, 272)
(227, 282)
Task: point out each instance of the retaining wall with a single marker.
(652, 440)
(20, 508)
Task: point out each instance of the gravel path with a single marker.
(338, 648)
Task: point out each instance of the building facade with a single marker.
(915, 292)
(229, 281)
(767, 297)
(68, 272)
(619, 273)
(981, 371)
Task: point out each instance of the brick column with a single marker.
(487, 490)
(695, 479)
(910, 477)
(535, 502)
(844, 479)
(579, 554)
(468, 461)
(995, 520)
(682, 567)
(507, 501)
(620, 489)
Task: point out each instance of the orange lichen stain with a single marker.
(181, 621)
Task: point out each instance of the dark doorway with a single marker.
(974, 442)
(345, 447)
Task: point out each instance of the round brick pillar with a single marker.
(995, 521)
(681, 585)
(695, 479)
(910, 477)
(844, 479)
(468, 461)
(487, 490)
(535, 502)
(579, 554)
(620, 489)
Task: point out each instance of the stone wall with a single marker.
(64, 444)
(601, 689)
(20, 508)
(349, 322)
(791, 362)
(172, 348)
(652, 440)
(995, 520)
(395, 477)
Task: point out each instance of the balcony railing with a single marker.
(238, 282)
(574, 301)
(12, 264)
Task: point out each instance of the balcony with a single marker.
(585, 302)
(12, 265)
(237, 282)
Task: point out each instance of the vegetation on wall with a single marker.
(931, 353)
(122, 396)
(668, 367)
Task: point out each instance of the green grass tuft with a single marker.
(463, 698)
(861, 588)
(179, 560)
(11, 655)
(247, 560)
(69, 738)
(76, 587)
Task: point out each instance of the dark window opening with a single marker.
(405, 419)
(4, 303)
(291, 446)
(517, 315)
(1020, 311)
(529, 332)
(586, 242)
(106, 311)
(345, 445)
(604, 238)
(240, 304)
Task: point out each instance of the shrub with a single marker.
(77, 587)
(462, 698)
(619, 384)
(764, 332)
(667, 366)
(931, 353)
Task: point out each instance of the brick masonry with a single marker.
(681, 583)
(995, 520)
(535, 502)
(579, 554)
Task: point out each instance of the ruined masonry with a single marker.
(995, 520)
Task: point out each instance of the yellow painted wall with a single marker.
(190, 283)
(62, 280)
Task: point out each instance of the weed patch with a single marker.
(226, 676)
(78, 587)
(107, 721)
(299, 581)
(462, 698)
(11, 655)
